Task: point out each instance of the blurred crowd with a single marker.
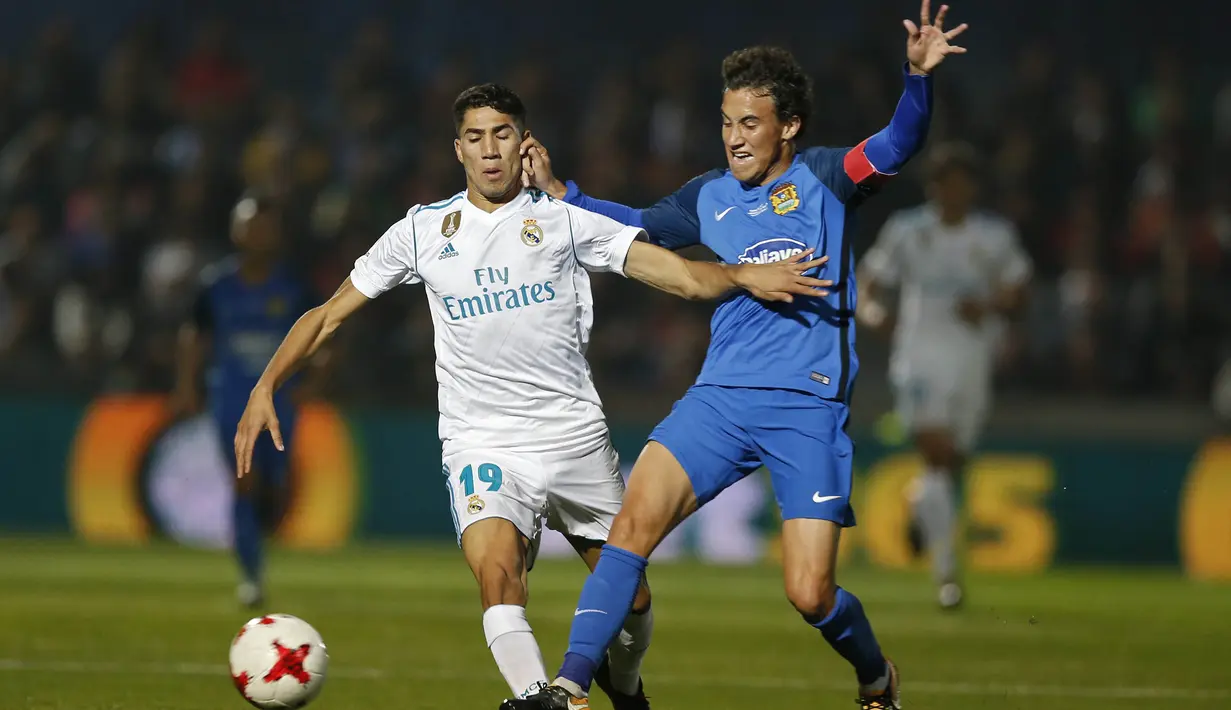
(117, 173)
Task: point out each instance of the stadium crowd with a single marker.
(117, 173)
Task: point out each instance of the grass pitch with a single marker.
(126, 629)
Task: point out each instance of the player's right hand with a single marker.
(536, 169)
(258, 416)
(783, 280)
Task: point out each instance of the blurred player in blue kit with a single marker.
(245, 305)
(776, 382)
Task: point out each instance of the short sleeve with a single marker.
(389, 263)
(601, 243)
(672, 221)
(884, 261)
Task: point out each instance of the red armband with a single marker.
(860, 170)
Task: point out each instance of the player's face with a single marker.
(955, 191)
(488, 150)
(755, 138)
(259, 235)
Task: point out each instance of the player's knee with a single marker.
(500, 582)
(635, 531)
(813, 594)
(642, 601)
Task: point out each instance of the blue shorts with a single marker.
(722, 434)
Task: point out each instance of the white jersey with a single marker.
(936, 266)
(511, 309)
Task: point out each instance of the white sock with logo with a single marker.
(515, 649)
(628, 650)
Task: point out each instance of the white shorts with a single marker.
(943, 395)
(575, 494)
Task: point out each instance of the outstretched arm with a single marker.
(671, 222)
(702, 280)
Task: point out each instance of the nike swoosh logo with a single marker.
(818, 498)
(719, 215)
(579, 612)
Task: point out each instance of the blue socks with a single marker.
(848, 631)
(606, 598)
(248, 537)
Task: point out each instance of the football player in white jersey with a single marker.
(958, 273)
(523, 433)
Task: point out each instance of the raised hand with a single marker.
(927, 44)
(536, 168)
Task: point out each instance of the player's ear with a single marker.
(457, 148)
(790, 129)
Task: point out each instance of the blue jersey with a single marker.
(807, 345)
(246, 322)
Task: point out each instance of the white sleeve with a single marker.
(1015, 264)
(390, 262)
(601, 243)
(883, 262)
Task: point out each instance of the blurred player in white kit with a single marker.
(959, 274)
(523, 433)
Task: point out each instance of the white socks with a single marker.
(515, 649)
(629, 649)
(936, 511)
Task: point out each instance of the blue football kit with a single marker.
(246, 322)
(777, 377)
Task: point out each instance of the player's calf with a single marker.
(810, 551)
(496, 553)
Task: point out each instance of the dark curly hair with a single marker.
(772, 72)
(494, 96)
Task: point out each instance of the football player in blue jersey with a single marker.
(245, 305)
(776, 382)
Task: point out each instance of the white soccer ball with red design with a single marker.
(278, 661)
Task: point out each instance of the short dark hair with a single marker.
(950, 157)
(775, 72)
(494, 96)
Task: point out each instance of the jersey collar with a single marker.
(514, 205)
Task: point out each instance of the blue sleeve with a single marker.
(671, 222)
(623, 214)
(856, 172)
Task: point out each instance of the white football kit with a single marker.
(521, 425)
(941, 367)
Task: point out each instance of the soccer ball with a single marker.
(278, 661)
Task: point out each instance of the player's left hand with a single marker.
(927, 44)
(783, 280)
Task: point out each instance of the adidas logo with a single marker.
(447, 253)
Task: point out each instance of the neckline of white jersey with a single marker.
(512, 205)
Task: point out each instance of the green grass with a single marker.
(110, 629)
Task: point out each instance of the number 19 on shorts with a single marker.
(488, 473)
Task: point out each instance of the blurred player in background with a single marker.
(244, 307)
(958, 273)
(523, 432)
(777, 378)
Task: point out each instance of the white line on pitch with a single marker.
(921, 687)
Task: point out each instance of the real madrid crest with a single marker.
(784, 198)
(531, 233)
(475, 505)
(452, 223)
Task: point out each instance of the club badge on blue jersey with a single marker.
(531, 233)
(452, 223)
(785, 198)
